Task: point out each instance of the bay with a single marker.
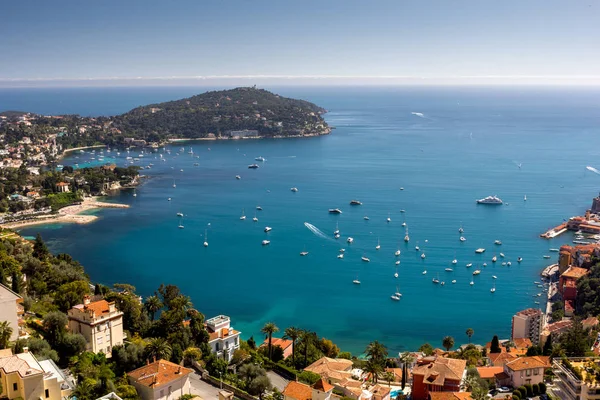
(446, 147)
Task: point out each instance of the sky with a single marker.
(75, 42)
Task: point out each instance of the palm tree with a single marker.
(158, 348)
(152, 306)
(292, 333)
(5, 332)
(470, 333)
(389, 377)
(307, 337)
(448, 342)
(374, 368)
(377, 351)
(269, 329)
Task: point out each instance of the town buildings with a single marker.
(528, 324)
(571, 387)
(437, 374)
(526, 370)
(24, 377)
(161, 380)
(10, 309)
(223, 339)
(333, 370)
(321, 390)
(100, 323)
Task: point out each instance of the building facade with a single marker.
(437, 374)
(161, 380)
(569, 387)
(528, 324)
(223, 339)
(10, 309)
(100, 323)
(526, 370)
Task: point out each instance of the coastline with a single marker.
(69, 214)
(82, 148)
(182, 140)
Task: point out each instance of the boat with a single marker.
(243, 216)
(401, 188)
(335, 211)
(424, 272)
(258, 208)
(181, 224)
(403, 223)
(423, 256)
(366, 218)
(406, 237)
(498, 242)
(471, 283)
(395, 298)
(337, 236)
(519, 259)
(135, 195)
(469, 265)
(365, 259)
(181, 170)
(267, 228)
(340, 256)
(494, 259)
(169, 199)
(502, 255)
(342, 250)
(554, 250)
(238, 177)
(397, 262)
(337, 229)
(485, 264)
(397, 253)
(476, 272)
(492, 200)
(260, 158)
(355, 203)
(304, 253)
(417, 247)
(196, 164)
(350, 240)
(462, 239)
(253, 166)
(436, 280)
(378, 247)
(294, 189)
(356, 281)
(503, 264)
(398, 294)
(453, 281)
(266, 242)
(509, 263)
(402, 211)
(388, 218)
(442, 283)
(205, 238)
(454, 261)
(448, 270)
(494, 277)
(254, 218)
(546, 256)
(492, 290)
(461, 230)
(479, 250)
(396, 273)
(180, 214)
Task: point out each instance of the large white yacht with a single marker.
(494, 200)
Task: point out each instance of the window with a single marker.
(536, 372)
(217, 346)
(47, 393)
(15, 387)
(528, 372)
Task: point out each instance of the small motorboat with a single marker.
(397, 262)
(266, 242)
(356, 282)
(519, 259)
(253, 166)
(469, 265)
(397, 253)
(260, 158)
(448, 270)
(238, 177)
(453, 281)
(423, 256)
(502, 255)
(294, 189)
(498, 242)
(494, 259)
(340, 256)
(304, 253)
(546, 257)
(480, 250)
(268, 228)
(350, 240)
(366, 218)
(454, 261)
(471, 283)
(342, 250)
(365, 259)
(258, 208)
(424, 272)
(355, 203)
(179, 214)
(476, 272)
(462, 239)
(335, 211)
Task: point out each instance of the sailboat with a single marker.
(525, 198)
(134, 193)
(356, 281)
(397, 253)
(436, 280)
(492, 290)
(337, 229)
(397, 295)
(254, 218)
(181, 224)
(396, 273)
(174, 185)
(304, 252)
(406, 237)
(461, 230)
(378, 245)
(243, 217)
(388, 218)
(404, 222)
(417, 247)
(365, 258)
(205, 238)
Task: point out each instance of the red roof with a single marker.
(158, 373)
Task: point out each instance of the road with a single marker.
(277, 381)
(202, 389)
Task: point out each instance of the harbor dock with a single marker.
(554, 232)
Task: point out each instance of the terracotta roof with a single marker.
(450, 396)
(380, 391)
(589, 322)
(283, 343)
(489, 372)
(298, 391)
(158, 373)
(97, 307)
(336, 368)
(501, 358)
(397, 373)
(558, 326)
(522, 342)
(530, 312)
(523, 363)
(322, 385)
(502, 376)
(575, 272)
(62, 184)
(14, 364)
(437, 372)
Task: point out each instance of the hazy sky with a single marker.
(363, 41)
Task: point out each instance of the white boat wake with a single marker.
(594, 170)
(317, 231)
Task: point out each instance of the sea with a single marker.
(415, 155)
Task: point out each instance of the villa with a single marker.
(223, 339)
(321, 390)
(10, 308)
(161, 380)
(333, 370)
(437, 374)
(286, 345)
(526, 370)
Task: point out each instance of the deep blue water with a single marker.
(465, 146)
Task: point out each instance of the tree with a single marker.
(575, 341)
(307, 337)
(448, 342)
(374, 368)
(40, 250)
(377, 354)
(547, 350)
(5, 333)
(71, 345)
(248, 372)
(269, 329)
(54, 326)
(534, 351)
(293, 334)
(152, 306)
(406, 359)
(328, 348)
(389, 377)
(470, 333)
(426, 348)
(158, 349)
(259, 385)
(191, 354)
(495, 348)
(71, 294)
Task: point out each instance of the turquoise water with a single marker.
(466, 145)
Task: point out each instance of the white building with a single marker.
(9, 309)
(100, 323)
(223, 340)
(161, 380)
(528, 324)
(24, 377)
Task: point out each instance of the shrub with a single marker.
(523, 391)
(308, 377)
(542, 387)
(516, 395)
(536, 389)
(529, 390)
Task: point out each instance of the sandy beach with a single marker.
(70, 214)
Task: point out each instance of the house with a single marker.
(321, 390)
(160, 380)
(555, 329)
(10, 309)
(499, 359)
(100, 323)
(450, 396)
(528, 324)
(437, 374)
(110, 396)
(489, 373)
(286, 345)
(23, 376)
(333, 370)
(568, 386)
(62, 187)
(567, 286)
(526, 370)
(223, 339)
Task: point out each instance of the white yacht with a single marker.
(268, 228)
(243, 216)
(238, 177)
(423, 255)
(340, 256)
(356, 281)
(366, 218)
(255, 219)
(337, 229)
(448, 270)
(294, 189)
(365, 259)
(424, 272)
(378, 247)
(454, 261)
(493, 200)
(498, 242)
(476, 272)
(494, 277)
(471, 283)
(337, 236)
(397, 262)
(469, 265)
(335, 211)
(260, 158)
(304, 253)
(461, 230)
(180, 214)
(388, 218)
(453, 281)
(492, 290)
(480, 250)
(266, 242)
(350, 240)
(205, 238)
(494, 259)
(519, 259)
(397, 253)
(406, 237)
(462, 239)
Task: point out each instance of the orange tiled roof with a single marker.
(501, 358)
(590, 322)
(158, 373)
(489, 372)
(222, 333)
(437, 372)
(283, 343)
(322, 385)
(523, 363)
(298, 391)
(337, 368)
(97, 307)
(522, 343)
(575, 272)
(450, 396)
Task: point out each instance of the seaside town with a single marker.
(64, 337)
